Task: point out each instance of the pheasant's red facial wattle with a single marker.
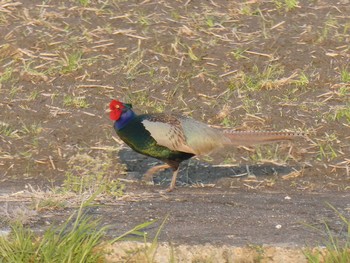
(116, 108)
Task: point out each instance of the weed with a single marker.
(71, 62)
(76, 102)
(238, 53)
(329, 26)
(250, 105)
(142, 99)
(26, 154)
(209, 21)
(144, 20)
(34, 73)
(301, 81)
(32, 129)
(90, 174)
(246, 9)
(326, 147)
(147, 253)
(7, 130)
(341, 112)
(132, 64)
(335, 251)
(286, 4)
(344, 91)
(17, 214)
(259, 252)
(76, 240)
(33, 95)
(50, 203)
(269, 78)
(14, 90)
(269, 153)
(227, 122)
(84, 2)
(345, 75)
(192, 55)
(6, 75)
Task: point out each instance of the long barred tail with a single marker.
(248, 138)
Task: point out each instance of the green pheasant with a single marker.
(173, 139)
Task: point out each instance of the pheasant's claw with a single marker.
(170, 189)
(148, 176)
(147, 181)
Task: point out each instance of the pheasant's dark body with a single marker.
(137, 137)
(173, 139)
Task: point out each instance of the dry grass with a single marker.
(61, 63)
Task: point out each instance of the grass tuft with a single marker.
(345, 75)
(76, 102)
(88, 174)
(336, 251)
(76, 240)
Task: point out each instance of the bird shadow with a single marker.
(195, 171)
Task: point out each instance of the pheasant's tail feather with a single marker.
(247, 138)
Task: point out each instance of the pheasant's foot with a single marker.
(173, 181)
(249, 173)
(170, 189)
(148, 176)
(148, 182)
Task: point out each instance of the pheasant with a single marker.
(173, 139)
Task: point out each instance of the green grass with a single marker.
(326, 147)
(88, 174)
(71, 62)
(270, 77)
(84, 2)
(7, 130)
(78, 239)
(6, 75)
(146, 253)
(345, 75)
(269, 152)
(76, 102)
(341, 113)
(329, 29)
(336, 251)
(286, 5)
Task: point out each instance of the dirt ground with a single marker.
(248, 65)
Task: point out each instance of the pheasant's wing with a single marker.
(202, 138)
(183, 134)
(166, 130)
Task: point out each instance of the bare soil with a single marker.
(259, 65)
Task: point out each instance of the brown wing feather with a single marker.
(202, 138)
(168, 132)
(184, 134)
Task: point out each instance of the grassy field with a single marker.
(270, 65)
(248, 65)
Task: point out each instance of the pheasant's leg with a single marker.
(148, 176)
(173, 181)
(249, 173)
